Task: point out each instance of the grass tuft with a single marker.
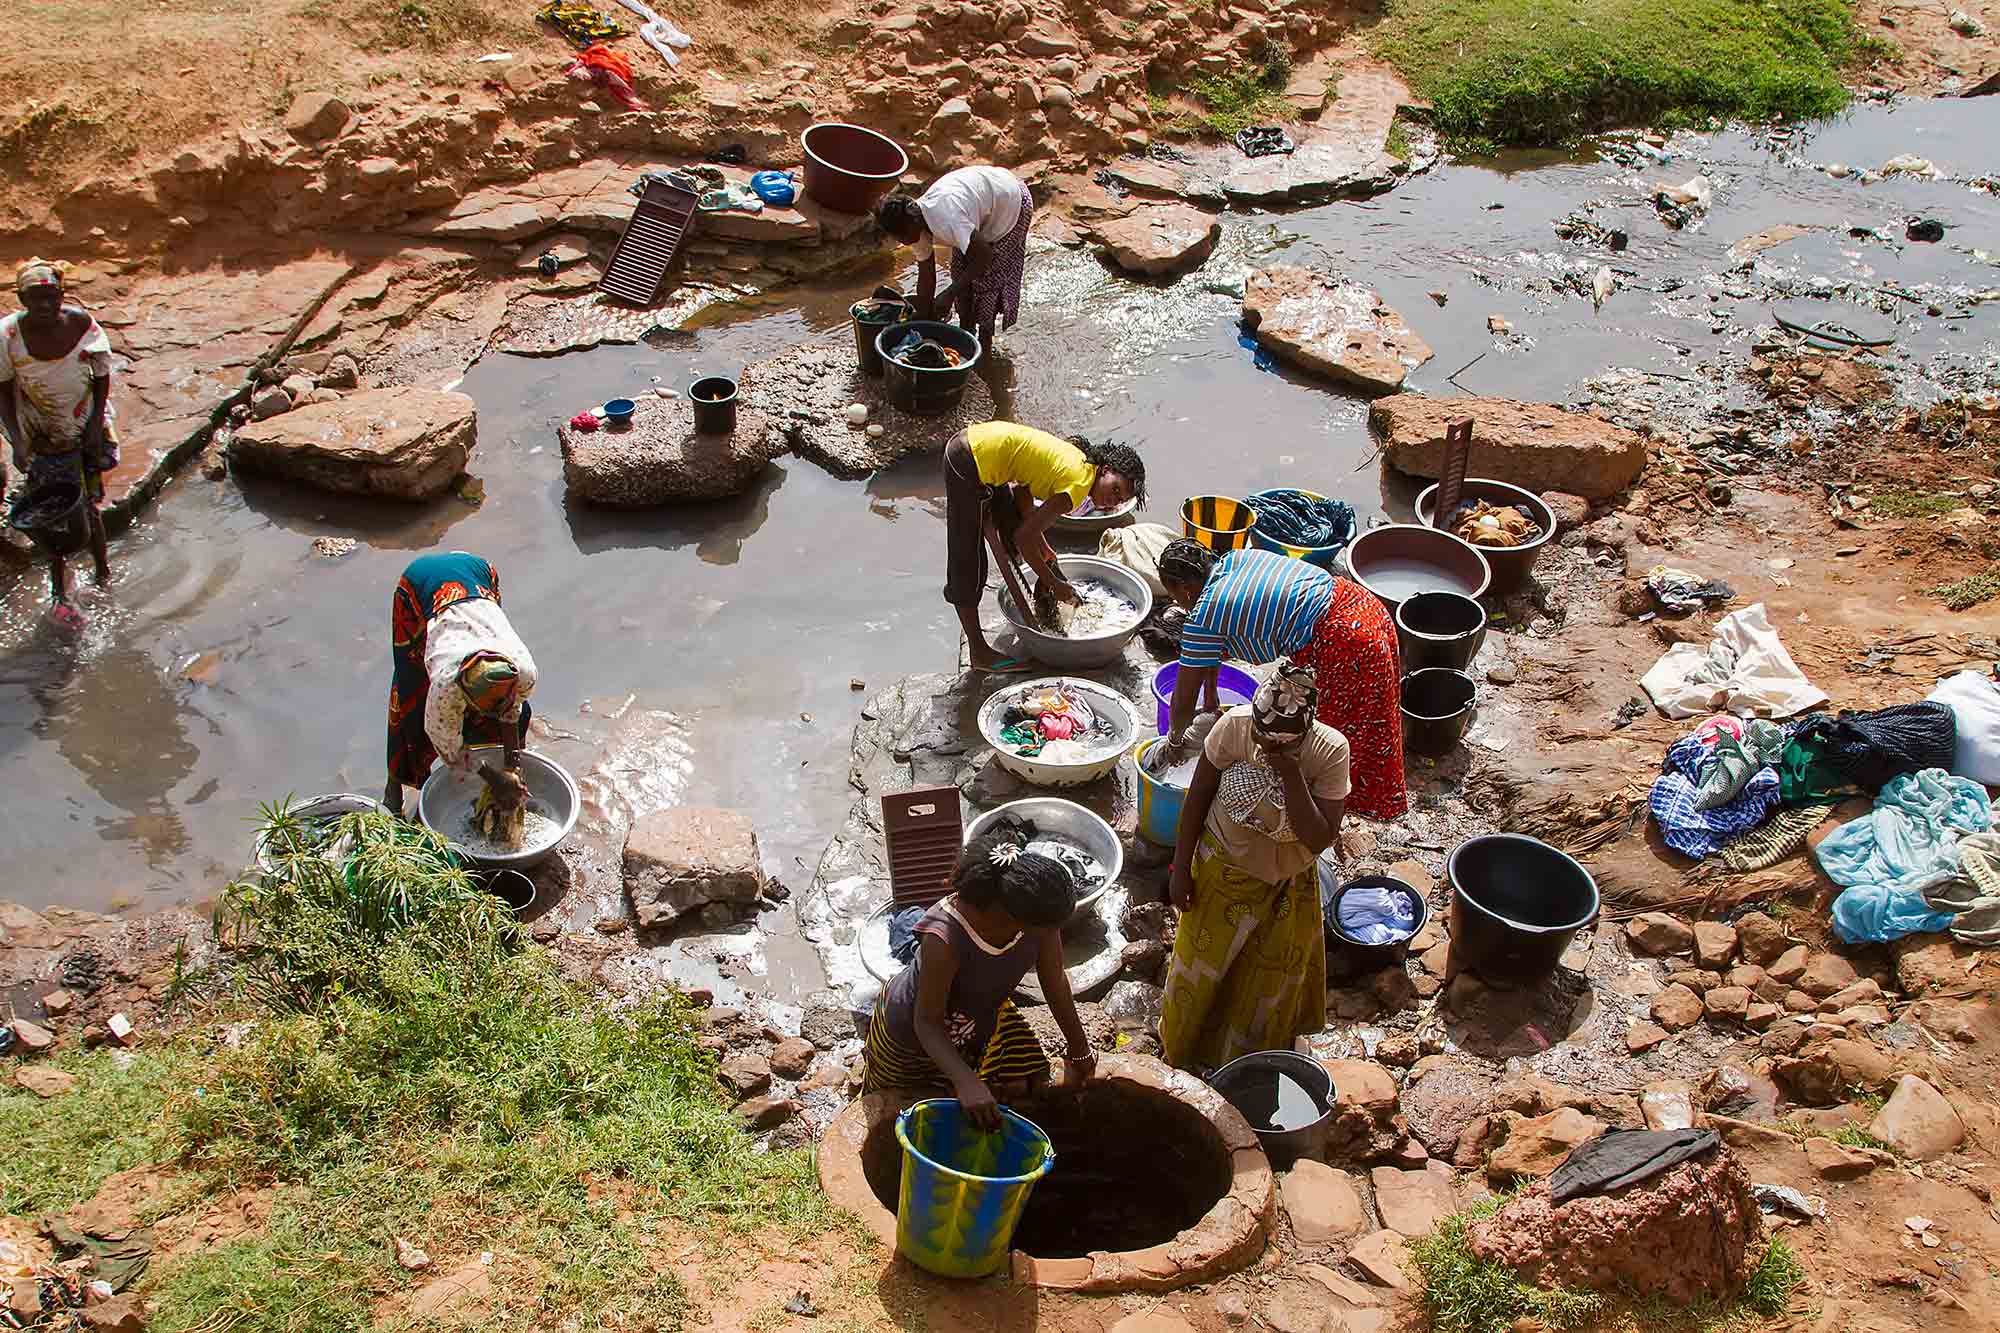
(1968, 592)
(1226, 104)
(1777, 1275)
(1539, 72)
(1902, 502)
(1465, 1294)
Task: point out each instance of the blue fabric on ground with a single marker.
(1676, 797)
(1377, 916)
(1909, 841)
(1297, 519)
(903, 934)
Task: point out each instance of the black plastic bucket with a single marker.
(917, 389)
(1437, 707)
(1440, 629)
(55, 517)
(1287, 1098)
(714, 400)
(867, 330)
(1379, 954)
(1516, 903)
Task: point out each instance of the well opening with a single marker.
(1134, 1168)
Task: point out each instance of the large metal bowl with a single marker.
(448, 794)
(1068, 820)
(315, 809)
(1510, 564)
(1058, 651)
(1100, 522)
(1105, 702)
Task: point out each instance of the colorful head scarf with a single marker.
(38, 273)
(489, 682)
(1284, 705)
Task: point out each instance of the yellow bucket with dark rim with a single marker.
(1218, 522)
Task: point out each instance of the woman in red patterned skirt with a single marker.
(1353, 653)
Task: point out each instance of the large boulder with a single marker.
(403, 443)
(1918, 1121)
(662, 458)
(1684, 1234)
(1157, 239)
(1537, 1147)
(808, 389)
(1528, 444)
(1332, 328)
(678, 859)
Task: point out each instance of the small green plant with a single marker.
(1397, 145)
(1465, 1294)
(1228, 103)
(1970, 591)
(1854, 1136)
(1772, 1282)
(1903, 502)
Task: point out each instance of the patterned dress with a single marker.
(997, 295)
(430, 586)
(52, 399)
(1353, 654)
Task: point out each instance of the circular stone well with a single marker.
(1158, 1181)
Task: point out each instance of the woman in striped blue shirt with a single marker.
(1258, 607)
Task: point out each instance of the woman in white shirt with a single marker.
(980, 217)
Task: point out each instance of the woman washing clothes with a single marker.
(55, 406)
(1249, 964)
(1259, 607)
(947, 1020)
(980, 217)
(1004, 485)
(462, 676)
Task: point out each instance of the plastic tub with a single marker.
(1400, 560)
(867, 330)
(1218, 522)
(1437, 707)
(1159, 818)
(54, 517)
(1511, 565)
(714, 400)
(1516, 903)
(1331, 892)
(921, 390)
(1235, 685)
(1323, 556)
(849, 168)
(1289, 1121)
(1440, 629)
(618, 411)
(964, 1189)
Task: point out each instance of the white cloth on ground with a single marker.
(1138, 548)
(1974, 894)
(981, 200)
(1746, 670)
(659, 34)
(475, 625)
(1974, 700)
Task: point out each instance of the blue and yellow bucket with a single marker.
(1159, 802)
(964, 1189)
(1322, 556)
(1217, 521)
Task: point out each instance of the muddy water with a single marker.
(705, 654)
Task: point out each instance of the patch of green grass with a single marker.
(1968, 592)
(1397, 145)
(1854, 1136)
(60, 1150)
(1776, 1276)
(1464, 1294)
(1538, 72)
(1903, 502)
(1229, 103)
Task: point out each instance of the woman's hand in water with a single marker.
(981, 1108)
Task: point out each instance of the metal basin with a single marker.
(1403, 559)
(1510, 564)
(1059, 651)
(1105, 702)
(1066, 820)
(448, 795)
(315, 809)
(1101, 522)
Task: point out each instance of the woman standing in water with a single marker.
(462, 676)
(980, 216)
(947, 1020)
(55, 406)
(1001, 472)
(1258, 606)
(1249, 962)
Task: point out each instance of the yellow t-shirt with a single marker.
(1012, 454)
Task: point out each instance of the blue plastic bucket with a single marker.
(1233, 684)
(1159, 802)
(964, 1189)
(1312, 555)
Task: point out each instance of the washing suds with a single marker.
(1099, 610)
(537, 832)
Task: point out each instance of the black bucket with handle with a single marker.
(870, 318)
(55, 517)
(1516, 903)
(713, 398)
(1437, 708)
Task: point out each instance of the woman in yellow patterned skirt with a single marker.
(1249, 962)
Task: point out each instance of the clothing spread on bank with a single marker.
(1258, 607)
(1009, 453)
(984, 201)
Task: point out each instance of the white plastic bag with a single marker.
(1138, 548)
(1974, 700)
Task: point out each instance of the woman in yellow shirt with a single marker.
(1004, 484)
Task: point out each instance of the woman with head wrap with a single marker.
(1249, 962)
(462, 676)
(1259, 607)
(947, 1020)
(980, 217)
(55, 403)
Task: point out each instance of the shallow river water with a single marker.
(711, 648)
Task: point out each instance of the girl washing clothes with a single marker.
(947, 1020)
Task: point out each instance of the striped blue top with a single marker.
(1258, 606)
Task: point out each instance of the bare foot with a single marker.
(103, 575)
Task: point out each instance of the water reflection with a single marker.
(117, 722)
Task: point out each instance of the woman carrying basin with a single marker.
(1258, 606)
(462, 676)
(947, 1020)
(980, 217)
(1249, 962)
(1003, 473)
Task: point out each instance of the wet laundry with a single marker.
(1740, 749)
(903, 933)
(1973, 896)
(1831, 756)
(1674, 801)
(580, 24)
(1264, 140)
(1483, 524)
(1620, 1157)
(1298, 519)
(1377, 916)
(731, 199)
(915, 350)
(1744, 670)
(1888, 858)
(1056, 724)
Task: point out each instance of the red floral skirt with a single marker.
(1353, 655)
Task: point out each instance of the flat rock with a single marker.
(1676, 1008)
(1331, 328)
(32, 1038)
(1380, 1257)
(746, 1073)
(1714, 944)
(677, 859)
(1533, 445)
(462, 1296)
(401, 443)
(24, 928)
(1918, 1121)
(1659, 933)
(1727, 1003)
(806, 392)
(1836, 1161)
(1826, 974)
(1157, 239)
(662, 459)
(1761, 937)
(1644, 1036)
(766, 1112)
(1537, 1147)
(1322, 1203)
(1413, 1202)
(43, 1081)
(1789, 965)
(792, 1057)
